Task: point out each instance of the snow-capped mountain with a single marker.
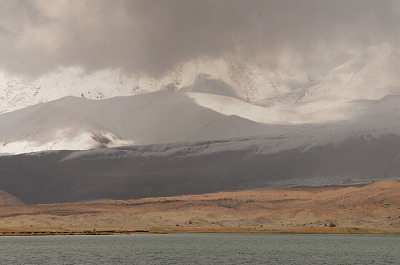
(168, 117)
(220, 77)
(367, 74)
(79, 123)
(208, 126)
(200, 100)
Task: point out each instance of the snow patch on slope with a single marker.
(77, 123)
(212, 76)
(313, 112)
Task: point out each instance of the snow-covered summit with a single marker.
(367, 74)
(221, 77)
(200, 100)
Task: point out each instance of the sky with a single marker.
(152, 37)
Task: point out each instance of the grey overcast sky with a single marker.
(152, 36)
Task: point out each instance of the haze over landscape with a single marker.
(125, 100)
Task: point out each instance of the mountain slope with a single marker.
(353, 209)
(220, 77)
(257, 155)
(7, 199)
(166, 117)
(77, 123)
(293, 97)
(195, 168)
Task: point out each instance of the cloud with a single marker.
(151, 37)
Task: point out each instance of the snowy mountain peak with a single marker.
(289, 97)
(235, 79)
(369, 75)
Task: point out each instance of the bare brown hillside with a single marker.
(7, 199)
(334, 209)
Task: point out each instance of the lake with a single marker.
(202, 249)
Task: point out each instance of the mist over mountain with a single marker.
(183, 97)
(202, 100)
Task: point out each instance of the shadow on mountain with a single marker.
(192, 168)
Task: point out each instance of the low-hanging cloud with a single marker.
(151, 37)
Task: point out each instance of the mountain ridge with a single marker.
(157, 117)
(364, 74)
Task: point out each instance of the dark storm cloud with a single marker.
(151, 37)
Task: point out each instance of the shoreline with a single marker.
(325, 231)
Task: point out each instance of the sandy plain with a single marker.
(367, 208)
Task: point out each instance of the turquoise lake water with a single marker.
(202, 249)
